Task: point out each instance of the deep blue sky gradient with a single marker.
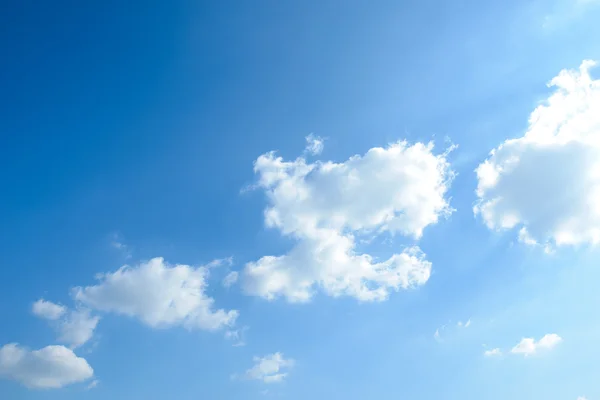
(143, 119)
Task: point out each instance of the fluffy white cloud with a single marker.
(325, 205)
(492, 352)
(314, 144)
(528, 346)
(48, 310)
(78, 327)
(159, 294)
(547, 182)
(269, 369)
(75, 327)
(47, 368)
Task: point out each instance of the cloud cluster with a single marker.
(324, 206)
(269, 369)
(158, 294)
(547, 183)
(48, 368)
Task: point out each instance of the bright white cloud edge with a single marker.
(547, 183)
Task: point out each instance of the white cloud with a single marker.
(48, 310)
(547, 183)
(75, 327)
(325, 205)
(269, 369)
(528, 346)
(159, 294)
(314, 144)
(49, 368)
(230, 279)
(492, 352)
(78, 327)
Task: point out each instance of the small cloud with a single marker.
(437, 335)
(92, 384)
(118, 243)
(75, 327)
(493, 352)
(314, 144)
(528, 346)
(461, 324)
(230, 279)
(48, 310)
(158, 294)
(219, 262)
(269, 369)
(237, 336)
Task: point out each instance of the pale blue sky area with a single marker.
(133, 130)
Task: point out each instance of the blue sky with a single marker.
(140, 135)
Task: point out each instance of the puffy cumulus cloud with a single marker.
(270, 368)
(48, 310)
(547, 183)
(399, 189)
(48, 368)
(528, 346)
(75, 327)
(159, 294)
